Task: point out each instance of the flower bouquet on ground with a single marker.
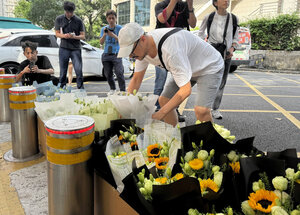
(134, 106)
(276, 197)
(226, 211)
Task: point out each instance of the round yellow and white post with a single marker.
(6, 81)
(70, 173)
(23, 125)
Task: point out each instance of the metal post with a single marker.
(6, 82)
(70, 174)
(23, 125)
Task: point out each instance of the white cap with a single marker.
(128, 35)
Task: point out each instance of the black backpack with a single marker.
(211, 17)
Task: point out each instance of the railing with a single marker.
(265, 9)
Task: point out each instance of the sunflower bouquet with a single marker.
(128, 137)
(199, 163)
(277, 201)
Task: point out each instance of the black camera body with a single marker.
(107, 29)
(31, 65)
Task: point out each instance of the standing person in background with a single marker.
(70, 29)
(109, 36)
(172, 13)
(222, 33)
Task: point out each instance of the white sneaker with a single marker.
(216, 114)
(111, 92)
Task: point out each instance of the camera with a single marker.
(106, 30)
(31, 65)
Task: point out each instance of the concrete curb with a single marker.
(269, 70)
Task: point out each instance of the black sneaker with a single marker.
(181, 118)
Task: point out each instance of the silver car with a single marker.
(11, 53)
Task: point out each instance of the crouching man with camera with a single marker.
(34, 68)
(109, 36)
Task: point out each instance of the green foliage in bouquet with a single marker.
(145, 185)
(226, 211)
(199, 163)
(280, 201)
(129, 136)
(224, 132)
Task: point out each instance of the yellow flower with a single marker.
(120, 137)
(204, 184)
(265, 197)
(196, 164)
(161, 163)
(235, 166)
(122, 154)
(298, 181)
(177, 177)
(153, 150)
(133, 144)
(161, 180)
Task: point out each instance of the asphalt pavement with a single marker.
(256, 103)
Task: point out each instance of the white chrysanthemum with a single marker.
(247, 210)
(280, 183)
(277, 210)
(218, 177)
(189, 156)
(231, 155)
(216, 169)
(289, 173)
(202, 155)
(295, 212)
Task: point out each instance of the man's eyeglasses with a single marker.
(134, 47)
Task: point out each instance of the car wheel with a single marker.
(232, 68)
(10, 68)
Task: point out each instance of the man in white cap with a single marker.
(189, 59)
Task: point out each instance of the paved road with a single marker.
(261, 104)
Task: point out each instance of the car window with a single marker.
(42, 40)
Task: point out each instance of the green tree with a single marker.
(91, 12)
(22, 9)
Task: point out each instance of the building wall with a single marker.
(7, 7)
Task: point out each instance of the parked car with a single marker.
(11, 53)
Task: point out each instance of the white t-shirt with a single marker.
(185, 55)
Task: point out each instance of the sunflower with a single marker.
(235, 166)
(161, 180)
(161, 163)
(298, 181)
(196, 164)
(208, 183)
(177, 177)
(153, 150)
(262, 200)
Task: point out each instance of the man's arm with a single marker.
(174, 102)
(192, 18)
(136, 81)
(49, 71)
(169, 9)
(22, 72)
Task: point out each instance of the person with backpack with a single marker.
(169, 14)
(222, 33)
(178, 51)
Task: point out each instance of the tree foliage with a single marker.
(44, 12)
(279, 33)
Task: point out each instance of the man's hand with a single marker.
(67, 36)
(231, 50)
(35, 69)
(158, 115)
(26, 70)
(190, 4)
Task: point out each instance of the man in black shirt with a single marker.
(70, 29)
(35, 68)
(172, 13)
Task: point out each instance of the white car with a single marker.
(11, 52)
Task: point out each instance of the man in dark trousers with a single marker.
(109, 36)
(34, 68)
(172, 13)
(70, 29)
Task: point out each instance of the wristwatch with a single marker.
(191, 11)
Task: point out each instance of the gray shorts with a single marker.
(207, 86)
